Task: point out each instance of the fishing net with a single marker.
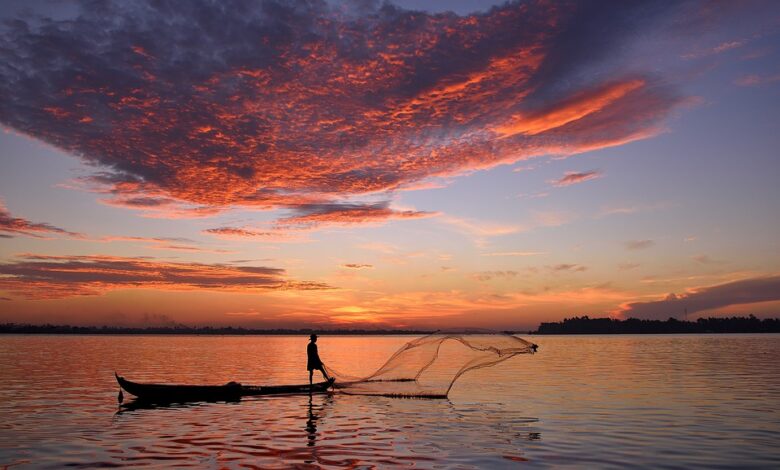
(428, 367)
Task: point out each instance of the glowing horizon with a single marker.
(354, 164)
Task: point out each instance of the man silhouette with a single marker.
(314, 362)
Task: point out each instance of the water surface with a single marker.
(596, 401)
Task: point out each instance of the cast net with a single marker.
(428, 367)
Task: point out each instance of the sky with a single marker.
(359, 164)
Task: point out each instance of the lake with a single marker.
(586, 401)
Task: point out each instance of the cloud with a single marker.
(638, 244)
(747, 291)
(357, 266)
(628, 266)
(10, 226)
(242, 233)
(515, 253)
(480, 228)
(490, 275)
(718, 49)
(313, 215)
(706, 259)
(727, 46)
(162, 243)
(571, 178)
(568, 267)
(756, 80)
(46, 277)
(305, 105)
(535, 195)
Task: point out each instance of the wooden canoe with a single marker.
(229, 392)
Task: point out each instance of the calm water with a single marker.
(652, 401)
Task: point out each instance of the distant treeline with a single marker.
(585, 325)
(185, 330)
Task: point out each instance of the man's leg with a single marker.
(311, 374)
(324, 374)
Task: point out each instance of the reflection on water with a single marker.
(589, 401)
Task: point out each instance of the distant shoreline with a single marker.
(12, 328)
(569, 326)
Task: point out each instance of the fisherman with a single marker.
(314, 362)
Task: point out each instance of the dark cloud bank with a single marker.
(747, 291)
(46, 277)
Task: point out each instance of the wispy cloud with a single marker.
(11, 226)
(162, 243)
(568, 267)
(47, 277)
(357, 266)
(619, 210)
(706, 259)
(716, 49)
(515, 253)
(756, 80)
(483, 276)
(571, 178)
(625, 209)
(638, 244)
(243, 233)
(480, 228)
(628, 266)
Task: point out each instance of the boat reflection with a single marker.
(139, 404)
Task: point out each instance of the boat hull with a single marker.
(229, 392)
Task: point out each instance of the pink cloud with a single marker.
(571, 178)
(756, 80)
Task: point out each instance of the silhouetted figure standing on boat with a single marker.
(314, 362)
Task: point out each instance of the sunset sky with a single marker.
(409, 164)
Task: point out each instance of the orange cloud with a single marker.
(310, 106)
(570, 110)
(233, 233)
(312, 215)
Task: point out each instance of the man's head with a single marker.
(313, 338)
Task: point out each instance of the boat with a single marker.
(231, 391)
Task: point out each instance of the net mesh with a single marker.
(428, 367)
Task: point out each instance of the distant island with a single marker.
(608, 326)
